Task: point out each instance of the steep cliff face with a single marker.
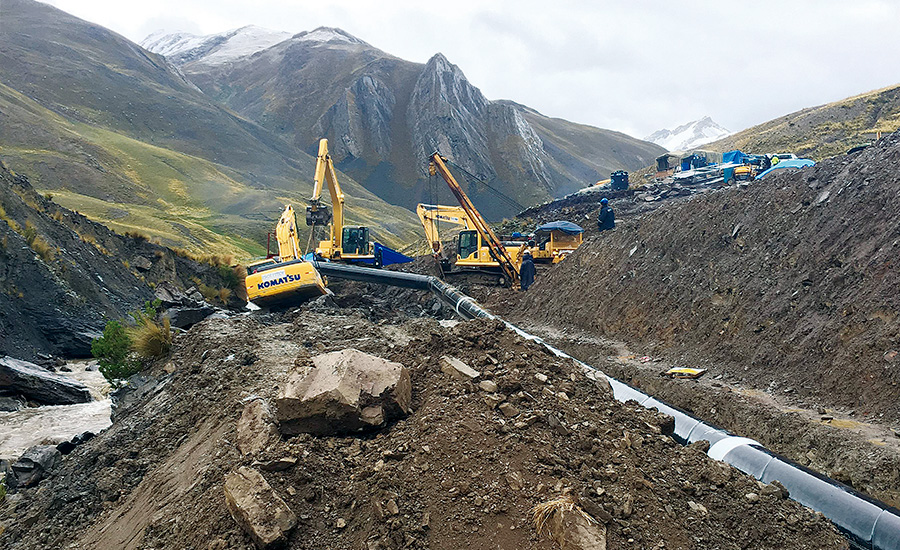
(447, 114)
(361, 120)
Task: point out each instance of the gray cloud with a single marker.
(630, 66)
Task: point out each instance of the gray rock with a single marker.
(347, 391)
(256, 429)
(33, 465)
(10, 404)
(40, 385)
(69, 337)
(257, 508)
(186, 317)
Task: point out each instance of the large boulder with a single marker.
(346, 391)
(256, 428)
(257, 508)
(69, 337)
(186, 317)
(33, 465)
(41, 385)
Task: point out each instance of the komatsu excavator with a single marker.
(473, 253)
(345, 244)
(286, 278)
(478, 249)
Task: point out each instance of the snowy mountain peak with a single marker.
(213, 49)
(328, 35)
(689, 136)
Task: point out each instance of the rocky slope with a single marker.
(97, 119)
(787, 285)
(458, 471)
(62, 276)
(384, 116)
(819, 132)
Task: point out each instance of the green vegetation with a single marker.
(123, 350)
(113, 352)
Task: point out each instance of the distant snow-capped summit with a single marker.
(328, 35)
(213, 49)
(689, 136)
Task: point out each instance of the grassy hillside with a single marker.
(824, 131)
(115, 132)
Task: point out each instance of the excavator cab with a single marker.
(355, 240)
(468, 244)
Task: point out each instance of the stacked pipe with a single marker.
(867, 522)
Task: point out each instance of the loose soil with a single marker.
(789, 285)
(456, 473)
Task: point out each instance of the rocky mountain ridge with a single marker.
(118, 133)
(62, 276)
(384, 116)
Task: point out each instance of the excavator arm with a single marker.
(286, 234)
(318, 213)
(498, 251)
(431, 214)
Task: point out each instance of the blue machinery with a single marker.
(868, 523)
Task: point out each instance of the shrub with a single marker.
(229, 276)
(112, 352)
(209, 293)
(224, 295)
(120, 350)
(44, 250)
(150, 338)
(30, 233)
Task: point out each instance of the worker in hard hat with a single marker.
(527, 271)
(607, 218)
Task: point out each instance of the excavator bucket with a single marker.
(318, 215)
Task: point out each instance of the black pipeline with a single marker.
(867, 522)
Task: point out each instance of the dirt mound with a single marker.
(458, 472)
(788, 285)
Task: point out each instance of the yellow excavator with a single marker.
(478, 249)
(473, 252)
(286, 278)
(345, 244)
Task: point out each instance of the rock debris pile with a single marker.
(492, 427)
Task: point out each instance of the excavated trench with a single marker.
(867, 522)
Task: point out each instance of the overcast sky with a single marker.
(634, 65)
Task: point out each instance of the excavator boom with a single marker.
(431, 214)
(498, 251)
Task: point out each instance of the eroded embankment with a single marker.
(789, 284)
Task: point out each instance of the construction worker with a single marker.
(607, 218)
(526, 271)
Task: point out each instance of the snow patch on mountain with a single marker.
(328, 35)
(213, 49)
(689, 136)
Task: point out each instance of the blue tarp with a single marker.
(388, 256)
(566, 227)
(792, 163)
(735, 157)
